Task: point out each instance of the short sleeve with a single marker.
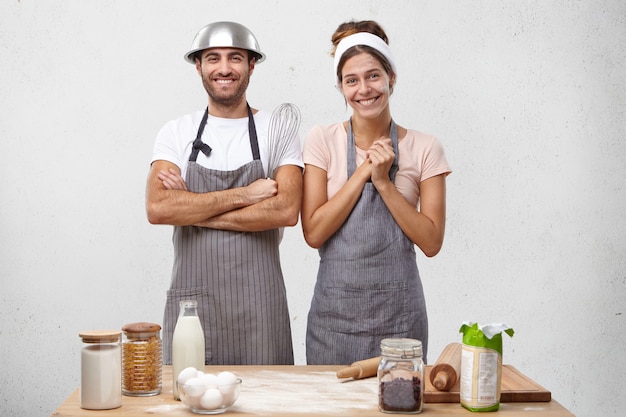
(166, 147)
(435, 161)
(315, 151)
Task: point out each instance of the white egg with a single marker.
(226, 382)
(228, 397)
(194, 387)
(210, 380)
(211, 399)
(226, 378)
(193, 402)
(186, 374)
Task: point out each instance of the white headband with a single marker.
(364, 38)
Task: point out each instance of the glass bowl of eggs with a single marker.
(206, 393)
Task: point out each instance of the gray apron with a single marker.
(235, 276)
(368, 286)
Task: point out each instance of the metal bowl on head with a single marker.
(225, 35)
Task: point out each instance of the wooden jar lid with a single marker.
(141, 327)
(100, 336)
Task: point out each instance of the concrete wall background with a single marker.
(527, 97)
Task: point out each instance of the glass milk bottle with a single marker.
(100, 370)
(187, 342)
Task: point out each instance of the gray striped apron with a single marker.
(235, 276)
(368, 286)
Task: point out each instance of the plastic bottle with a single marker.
(187, 342)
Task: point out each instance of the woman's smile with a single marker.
(367, 101)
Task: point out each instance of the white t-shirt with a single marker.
(228, 139)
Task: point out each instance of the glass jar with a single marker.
(141, 359)
(401, 376)
(100, 370)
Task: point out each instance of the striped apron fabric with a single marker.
(368, 286)
(235, 277)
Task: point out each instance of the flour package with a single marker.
(481, 365)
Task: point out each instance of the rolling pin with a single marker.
(360, 369)
(447, 369)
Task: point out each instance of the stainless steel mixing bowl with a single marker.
(225, 34)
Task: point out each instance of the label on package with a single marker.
(481, 374)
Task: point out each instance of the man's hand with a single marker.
(172, 180)
(261, 189)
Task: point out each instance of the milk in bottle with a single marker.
(187, 342)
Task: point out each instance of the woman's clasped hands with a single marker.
(380, 157)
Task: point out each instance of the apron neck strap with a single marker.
(198, 145)
(254, 141)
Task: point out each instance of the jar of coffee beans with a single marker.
(401, 376)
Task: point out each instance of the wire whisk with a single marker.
(283, 132)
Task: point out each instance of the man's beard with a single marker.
(229, 100)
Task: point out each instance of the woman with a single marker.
(372, 190)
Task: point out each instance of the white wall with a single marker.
(527, 97)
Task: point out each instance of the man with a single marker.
(209, 179)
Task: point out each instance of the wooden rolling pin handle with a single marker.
(444, 379)
(447, 369)
(360, 369)
(349, 372)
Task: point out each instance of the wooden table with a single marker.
(296, 391)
